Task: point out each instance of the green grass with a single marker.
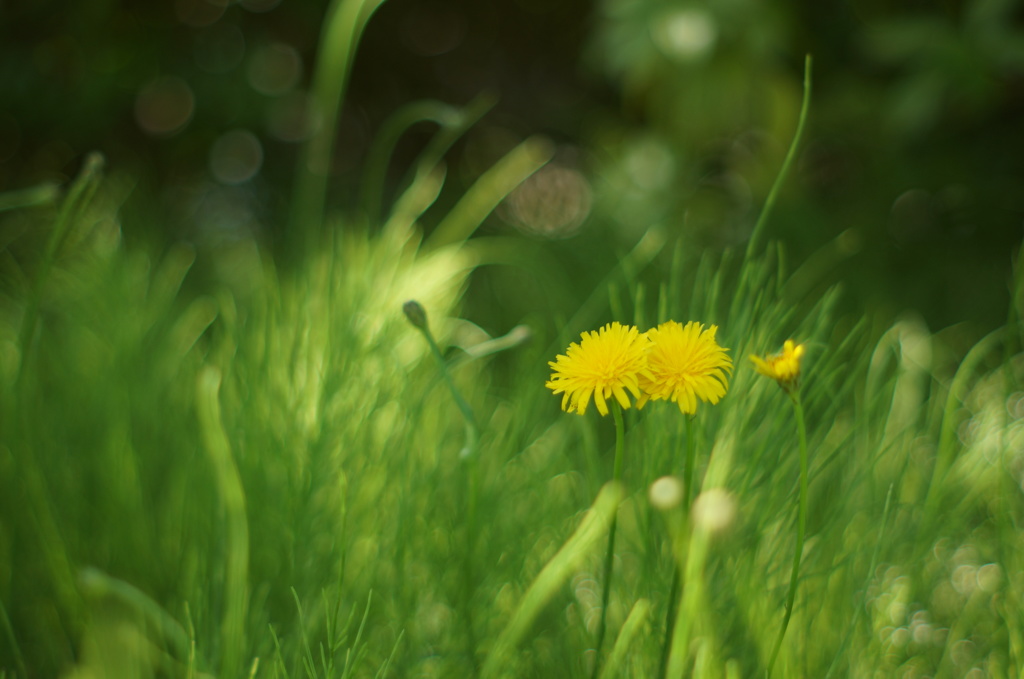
(268, 475)
(268, 481)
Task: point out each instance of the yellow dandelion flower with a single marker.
(604, 364)
(685, 364)
(783, 367)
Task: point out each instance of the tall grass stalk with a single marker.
(453, 123)
(755, 242)
(71, 208)
(489, 189)
(41, 194)
(630, 629)
(342, 29)
(951, 420)
(12, 641)
(232, 495)
(860, 610)
(554, 575)
(744, 287)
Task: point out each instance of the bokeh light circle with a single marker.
(236, 157)
(164, 106)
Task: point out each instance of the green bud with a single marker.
(415, 313)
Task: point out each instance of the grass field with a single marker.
(270, 474)
(274, 479)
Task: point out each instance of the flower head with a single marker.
(783, 367)
(604, 364)
(685, 363)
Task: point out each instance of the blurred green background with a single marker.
(662, 112)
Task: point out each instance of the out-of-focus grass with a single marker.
(266, 480)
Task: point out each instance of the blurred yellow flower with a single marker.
(604, 364)
(685, 363)
(783, 367)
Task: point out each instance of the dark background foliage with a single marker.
(668, 113)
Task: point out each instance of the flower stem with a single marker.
(801, 526)
(472, 429)
(688, 465)
(673, 595)
(619, 437)
(609, 558)
(470, 485)
(670, 617)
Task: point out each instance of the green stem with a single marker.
(688, 465)
(619, 438)
(691, 551)
(673, 596)
(609, 558)
(467, 413)
(670, 617)
(801, 527)
(470, 490)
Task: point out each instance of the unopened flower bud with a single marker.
(714, 510)
(666, 493)
(416, 314)
(783, 367)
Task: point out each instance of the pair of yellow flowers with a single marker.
(680, 363)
